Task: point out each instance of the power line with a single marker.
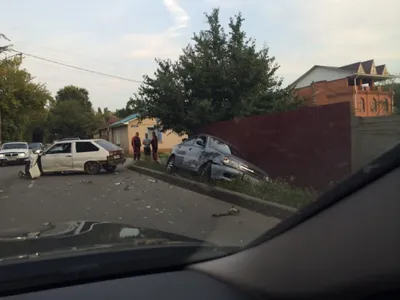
(77, 68)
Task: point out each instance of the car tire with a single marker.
(92, 167)
(205, 172)
(170, 165)
(110, 168)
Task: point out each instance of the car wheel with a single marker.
(205, 172)
(170, 166)
(92, 167)
(110, 168)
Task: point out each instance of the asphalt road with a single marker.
(125, 197)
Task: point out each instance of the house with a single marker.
(123, 131)
(104, 132)
(354, 83)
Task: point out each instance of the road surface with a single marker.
(124, 197)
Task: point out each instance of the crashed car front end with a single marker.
(231, 168)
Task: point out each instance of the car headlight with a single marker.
(231, 163)
(1, 155)
(21, 154)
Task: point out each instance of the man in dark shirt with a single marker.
(136, 144)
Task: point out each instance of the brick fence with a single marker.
(311, 147)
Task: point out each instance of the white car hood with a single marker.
(26, 151)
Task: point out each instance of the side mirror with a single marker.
(38, 151)
(184, 140)
(200, 143)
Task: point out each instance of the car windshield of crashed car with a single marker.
(131, 121)
(223, 147)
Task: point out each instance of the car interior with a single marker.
(345, 245)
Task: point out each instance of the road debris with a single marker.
(233, 211)
(127, 188)
(1, 191)
(149, 206)
(152, 180)
(117, 183)
(85, 181)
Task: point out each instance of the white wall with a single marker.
(319, 74)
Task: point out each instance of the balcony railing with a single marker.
(377, 89)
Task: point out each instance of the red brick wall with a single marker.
(311, 146)
(337, 91)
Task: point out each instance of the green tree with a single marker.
(219, 76)
(72, 114)
(126, 111)
(71, 92)
(21, 99)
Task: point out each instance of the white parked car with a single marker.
(88, 156)
(15, 152)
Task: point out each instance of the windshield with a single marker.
(205, 122)
(14, 146)
(35, 146)
(223, 147)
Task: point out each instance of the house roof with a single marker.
(124, 121)
(345, 72)
(354, 69)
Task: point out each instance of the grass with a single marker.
(277, 191)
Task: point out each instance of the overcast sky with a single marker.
(123, 37)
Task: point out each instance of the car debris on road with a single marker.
(233, 211)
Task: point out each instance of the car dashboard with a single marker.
(171, 285)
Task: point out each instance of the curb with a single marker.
(252, 203)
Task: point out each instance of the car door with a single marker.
(182, 150)
(194, 152)
(58, 158)
(85, 151)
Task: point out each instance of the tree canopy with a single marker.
(71, 92)
(23, 101)
(72, 114)
(219, 76)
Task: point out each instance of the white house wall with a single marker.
(319, 74)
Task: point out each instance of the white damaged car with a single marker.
(14, 153)
(89, 156)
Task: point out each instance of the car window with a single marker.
(60, 148)
(85, 147)
(35, 146)
(190, 141)
(223, 147)
(203, 138)
(14, 146)
(107, 145)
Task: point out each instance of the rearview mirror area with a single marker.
(200, 143)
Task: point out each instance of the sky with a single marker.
(123, 37)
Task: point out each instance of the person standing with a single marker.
(154, 146)
(136, 144)
(146, 145)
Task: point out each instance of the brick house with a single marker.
(354, 83)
